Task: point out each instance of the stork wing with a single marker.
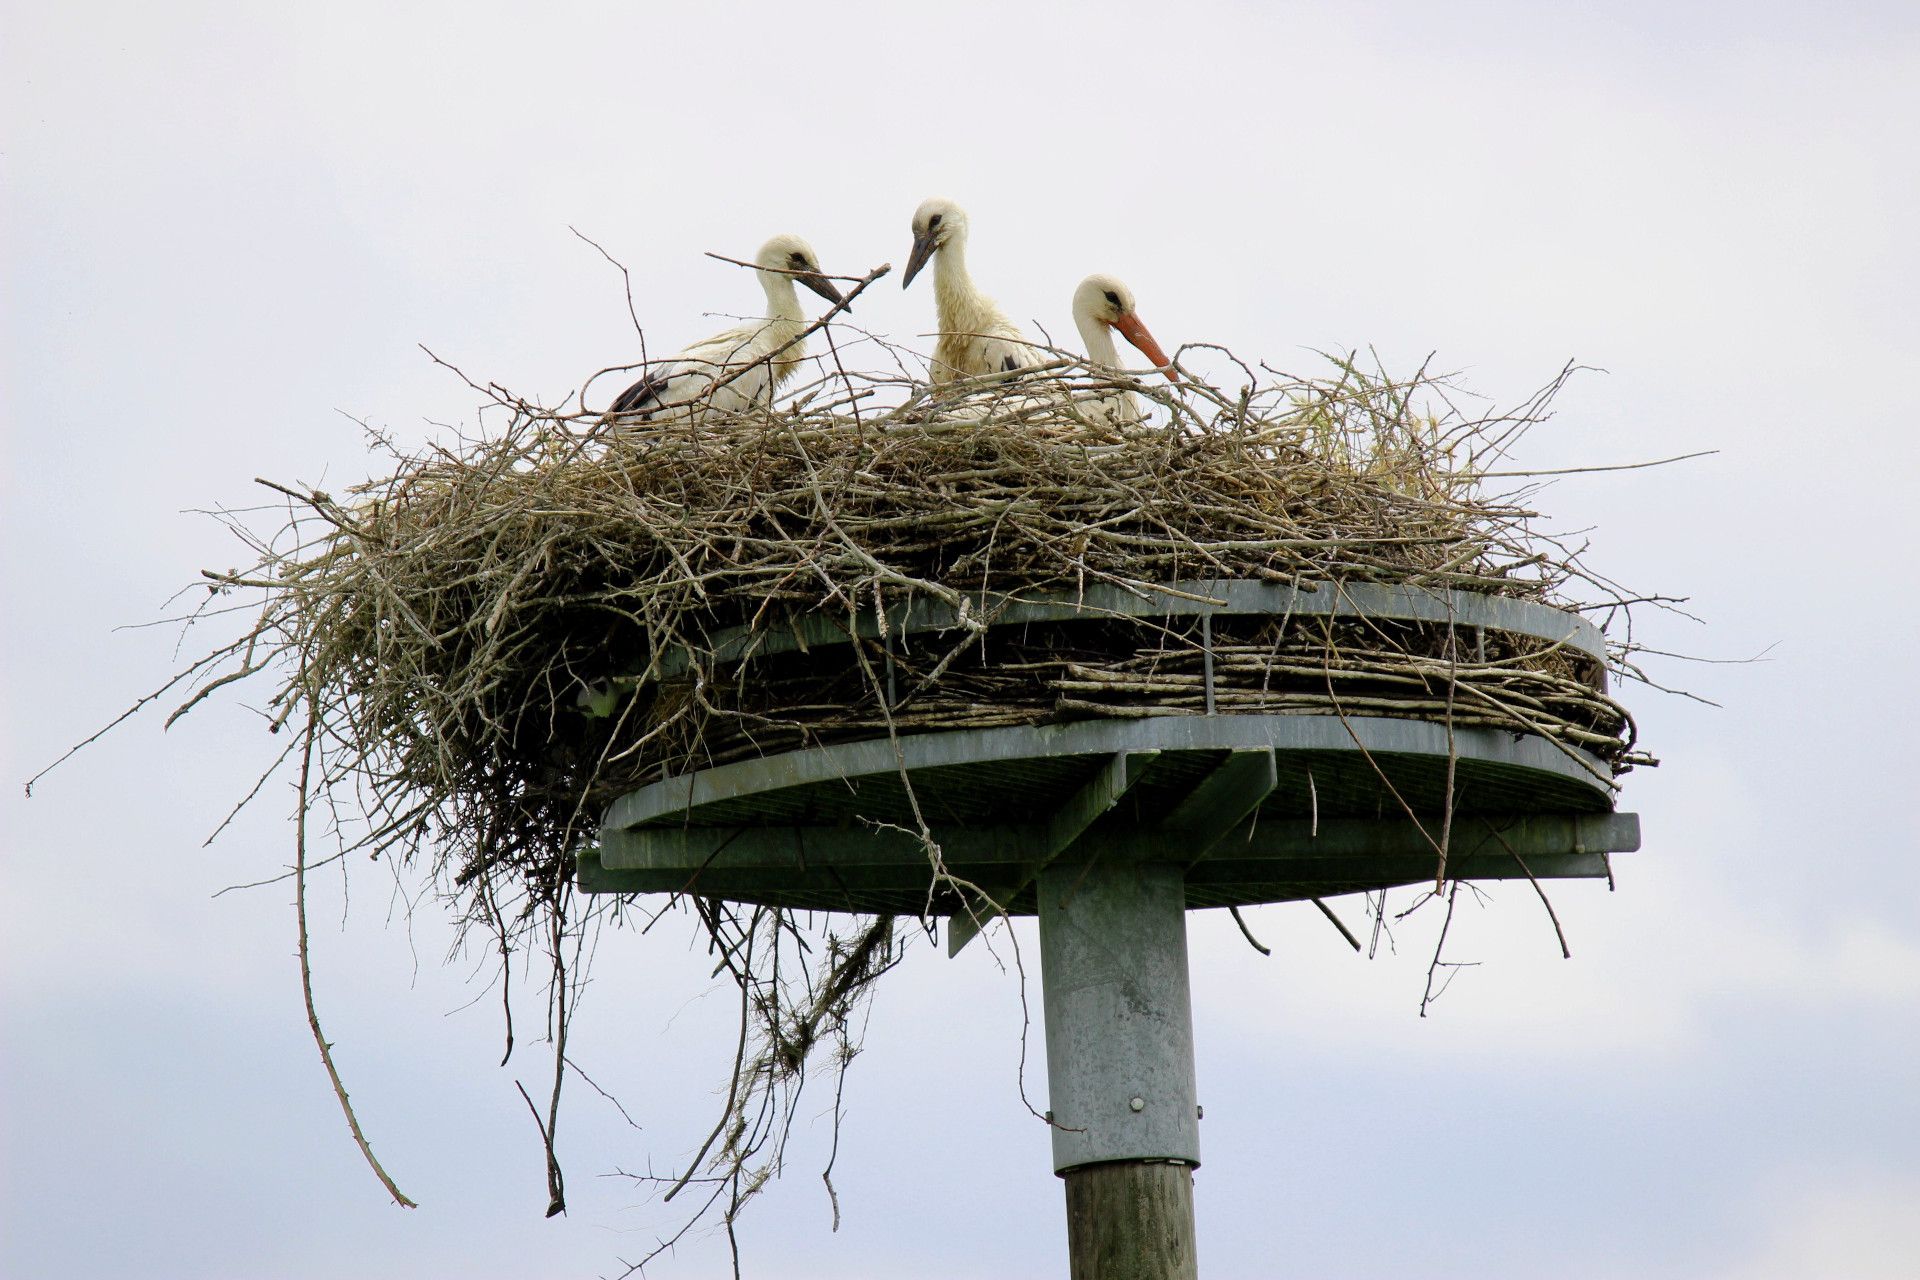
(1006, 352)
(644, 393)
(723, 347)
(687, 373)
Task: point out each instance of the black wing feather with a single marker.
(641, 394)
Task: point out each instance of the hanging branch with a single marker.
(1248, 933)
(306, 971)
(1566, 952)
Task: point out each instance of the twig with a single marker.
(626, 278)
(556, 1199)
(1575, 471)
(1248, 933)
(1566, 952)
(1346, 933)
(1430, 995)
(306, 969)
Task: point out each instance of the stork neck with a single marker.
(783, 303)
(950, 269)
(1099, 342)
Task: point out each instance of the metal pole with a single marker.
(1126, 1137)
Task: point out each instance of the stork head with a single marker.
(935, 222)
(1103, 300)
(793, 258)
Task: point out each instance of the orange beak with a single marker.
(1133, 331)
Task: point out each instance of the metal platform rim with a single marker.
(873, 756)
(1202, 597)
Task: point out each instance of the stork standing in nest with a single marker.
(976, 338)
(737, 369)
(1101, 305)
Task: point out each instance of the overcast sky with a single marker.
(227, 228)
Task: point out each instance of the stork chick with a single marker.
(736, 369)
(1101, 305)
(975, 337)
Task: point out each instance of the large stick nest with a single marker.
(500, 636)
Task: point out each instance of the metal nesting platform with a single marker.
(1254, 807)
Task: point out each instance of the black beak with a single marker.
(923, 248)
(820, 285)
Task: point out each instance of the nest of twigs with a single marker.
(499, 637)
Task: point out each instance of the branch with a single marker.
(1578, 471)
(1566, 952)
(1346, 933)
(306, 967)
(1248, 933)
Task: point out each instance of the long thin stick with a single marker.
(1446, 923)
(1345, 932)
(306, 967)
(1566, 952)
(1248, 933)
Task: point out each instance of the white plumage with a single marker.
(731, 370)
(975, 337)
(1101, 305)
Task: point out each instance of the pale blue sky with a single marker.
(227, 226)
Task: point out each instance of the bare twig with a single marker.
(1430, 994)
(306, 970)
(1345, 932)
(1248, 933)
(1566, 952)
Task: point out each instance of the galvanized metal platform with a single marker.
(1196, 598)
(1257, 808)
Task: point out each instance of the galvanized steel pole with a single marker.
(1119, 1021)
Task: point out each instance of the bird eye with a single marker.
(933, 222)
(1113, 299)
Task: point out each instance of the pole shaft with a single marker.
(1113, 947)
(1130, 1221)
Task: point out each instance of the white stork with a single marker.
(731, 370)
(975, 338)
(1100, 305)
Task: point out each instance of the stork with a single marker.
(975, 338)
(737, 368)
(1100, 305)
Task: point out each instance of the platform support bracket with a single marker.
(1063, 831)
